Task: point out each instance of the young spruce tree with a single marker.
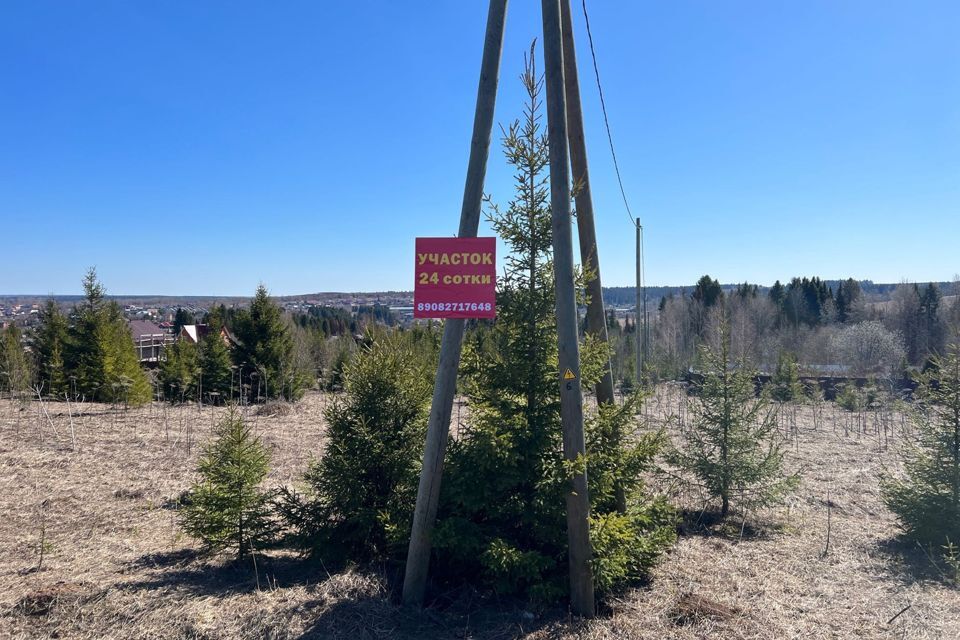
(927, 499)
(785, 382)
(266, 351)
(15, 372)
(49, 342)
(227, 509)
(179, 371)
(101, 353)
(502, 518)
(362, 492)
(215, 360)
(733, 446)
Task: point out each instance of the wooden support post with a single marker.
(640, 325)
(438, 427)
(643, 292)
(589, 256)
(571, 398)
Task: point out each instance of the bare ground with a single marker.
(96, 501)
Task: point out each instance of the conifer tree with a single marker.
(124, 379)
(707, 291)
(215, 366)
(214, 358)
(847, 299)
(778, 296)
(180, 318)
(15, 372)
(85, 358)
(733, 447)
(927, 499)
(179, 371)
(101, 353)
(363, 490)
(49, 343)
(501, 518)
(226, 508)
(932, 333)
(785, 383)
(266, 350)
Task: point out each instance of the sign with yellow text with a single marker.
(455, 278)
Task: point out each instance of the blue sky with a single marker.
(204, 147)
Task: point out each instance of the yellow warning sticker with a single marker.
(568, 375)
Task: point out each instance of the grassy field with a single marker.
(89, 546)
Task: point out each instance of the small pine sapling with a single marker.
(926, 500)
(362, 492)
(785, 383)
(227, 509)
(733, 448)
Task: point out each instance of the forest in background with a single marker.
(845, 328)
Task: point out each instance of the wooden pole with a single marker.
(438, 427)
(571, 398)
(646, 317)
(589, 256)
(640, 324)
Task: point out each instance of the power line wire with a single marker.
(606, 120)
(635, 222)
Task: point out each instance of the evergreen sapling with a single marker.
(926, 500)
(733, 447)
(227, 509)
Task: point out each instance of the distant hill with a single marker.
(617, 297)
(625, 297)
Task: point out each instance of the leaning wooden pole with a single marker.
(589, 256)
(428, 492)
(571, 398)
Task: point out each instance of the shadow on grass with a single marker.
(462, 613)
(910, 563)
(735, 527)
(204, 574)
(347, 604)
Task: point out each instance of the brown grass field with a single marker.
(90, 548)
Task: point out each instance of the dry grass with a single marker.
(115, 564)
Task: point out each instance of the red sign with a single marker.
(455, 278)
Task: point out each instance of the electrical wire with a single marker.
(606, 120)
(635, 222)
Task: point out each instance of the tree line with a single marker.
(829, 329)
(85, 354)
(242, 355)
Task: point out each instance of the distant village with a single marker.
(152, 320)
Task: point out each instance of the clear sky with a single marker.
(204, 147)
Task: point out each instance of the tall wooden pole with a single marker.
(646, 317)
(589, 256)
(640, 325)
(438, 427)
(571, 398)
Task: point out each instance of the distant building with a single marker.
(149, 339)
(194, 333)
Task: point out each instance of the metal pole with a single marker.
(571, 398)
(438, 427)
(589, 256)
